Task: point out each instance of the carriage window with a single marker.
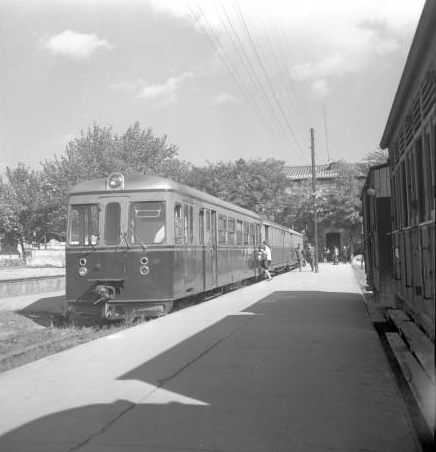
(239, 238)
(222, 229)
(147, 222)
(246, 232)
(231, 231)
(191, 224)
(178, 225)
(252, 234)
(201, 226)
(83, 225)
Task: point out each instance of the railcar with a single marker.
(139, 243)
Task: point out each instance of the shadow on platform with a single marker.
(300, 371)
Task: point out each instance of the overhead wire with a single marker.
(219, 49)
(282, 72)
(249, 68)
(267, 77)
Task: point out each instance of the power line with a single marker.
(256, 52)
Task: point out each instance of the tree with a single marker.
(24, 207)
(98, 153)
(376, 157)
(254, 184)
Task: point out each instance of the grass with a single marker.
(23, 340)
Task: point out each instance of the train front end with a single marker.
(118, 262)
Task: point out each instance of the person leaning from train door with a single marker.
(299, 252)
(311, 257)
(266, 259)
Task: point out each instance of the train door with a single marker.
(207, 242)
(114, 234)
(213, 251)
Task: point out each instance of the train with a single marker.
(399, 197)
(139, 244)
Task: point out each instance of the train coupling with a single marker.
(105, 293)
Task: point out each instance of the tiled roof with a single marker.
(328, 171)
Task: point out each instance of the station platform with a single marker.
(27, 281)
(294, 364)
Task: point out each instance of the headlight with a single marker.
(144, 270)
(114, 181)
(144, 260)
(83, 271)
(82, 261)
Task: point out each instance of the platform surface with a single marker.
(288, 365)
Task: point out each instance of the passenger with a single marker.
(300, 256)
(344, 254)
(266, 260)
(311, 257)
(335, 256)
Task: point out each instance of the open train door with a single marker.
(208, 239)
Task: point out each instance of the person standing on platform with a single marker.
(300, 256)
(311, 257)
(344, 254)
(335, 255)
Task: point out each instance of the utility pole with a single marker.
(315, 218)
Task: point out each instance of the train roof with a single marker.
(271, 223)
(148, 182)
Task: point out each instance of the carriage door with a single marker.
(214, 247)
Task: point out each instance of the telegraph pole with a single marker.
(315, 219)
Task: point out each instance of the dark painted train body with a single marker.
(137, 243)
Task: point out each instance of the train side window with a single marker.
(246, 232)
(185, 223)
(112, 228)
(222, 229)
(191, 224)
(178, 225)
(208, 226)
(201, 226)
(231, 231)
(252, 234)
(239, 233)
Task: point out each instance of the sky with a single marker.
(222, 79)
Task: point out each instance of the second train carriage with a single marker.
(137, 243)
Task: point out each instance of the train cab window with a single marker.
(147, 222)
(112, 229)
(231, 231)
(222, 229)
(239, 232)
(83, 225)
(178, 224)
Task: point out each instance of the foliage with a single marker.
(376, 157)
(33, 203)
(257, 185)
(337, 202)
(25, 209)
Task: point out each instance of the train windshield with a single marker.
(147, 222)
(83, 228)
